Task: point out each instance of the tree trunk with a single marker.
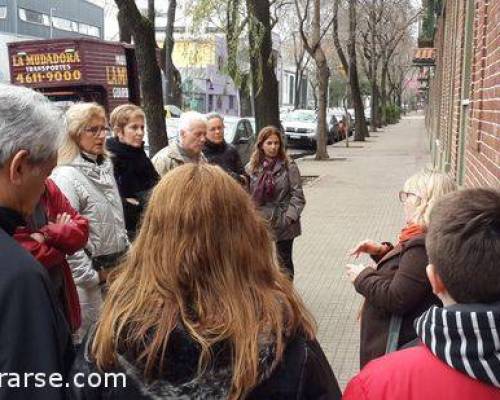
(151, 11)
(383, 96)
(297, 88)
(351, 69)
(149, 72)
(360, 128)
(264, 82)
(172, 74)
(323, 77)
(374, 106)
(124, 27)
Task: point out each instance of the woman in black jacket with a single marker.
(134, 173)
(200, 309)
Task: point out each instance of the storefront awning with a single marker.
(425, 57)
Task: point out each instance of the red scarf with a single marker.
(410, 231)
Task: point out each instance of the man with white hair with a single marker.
(34, 337)
(188, 148)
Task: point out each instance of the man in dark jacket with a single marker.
(217, 151)
(35, 344)
(459, 353)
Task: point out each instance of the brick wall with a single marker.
(451, 122)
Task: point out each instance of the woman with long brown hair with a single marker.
(199, 308)
(276, 188)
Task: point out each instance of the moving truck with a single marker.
(77, 69)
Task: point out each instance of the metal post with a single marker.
(16, 16)
(206, 95)
(51, 15)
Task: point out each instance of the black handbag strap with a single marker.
(394, 330)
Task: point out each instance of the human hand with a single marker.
(353, 270)
(367, 246)
(38, 237)
(63, 218)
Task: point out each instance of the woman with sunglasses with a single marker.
(396, 290)
(85, 176)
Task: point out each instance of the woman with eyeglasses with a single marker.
(396, 289)
(85, 176)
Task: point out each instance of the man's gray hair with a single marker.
(189, 118)
(28, 121)
(215, 115)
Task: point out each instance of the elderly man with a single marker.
(219, 152)
(188, 148)
(34, 337)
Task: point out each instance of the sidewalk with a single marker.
(354, 198)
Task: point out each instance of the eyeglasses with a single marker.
(96, 131)
(403, 196)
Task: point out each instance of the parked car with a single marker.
(301, 125)
(172, 111)
(368, 115)
(239, 132)
(283, 136)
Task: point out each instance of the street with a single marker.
(353, 198)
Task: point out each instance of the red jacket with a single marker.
(415, 374)
(60, 240)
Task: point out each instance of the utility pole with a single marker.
(51, 28)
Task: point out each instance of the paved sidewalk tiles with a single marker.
(353, 198)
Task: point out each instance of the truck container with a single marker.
(77, 69)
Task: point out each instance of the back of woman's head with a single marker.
(204, 259)
(429, 186)
(78, 116)
(258, 154)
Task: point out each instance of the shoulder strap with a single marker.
(394, 330)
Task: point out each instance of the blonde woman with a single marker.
(199, 308)
(397, 290)
(85, 176)
(134, 172)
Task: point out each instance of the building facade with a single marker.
(463, 117)
(51, 18)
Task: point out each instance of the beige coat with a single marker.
(171, 157)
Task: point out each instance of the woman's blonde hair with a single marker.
(429, 186)
(204, 260)
(258, 154)
(78, 117)
(122, 115)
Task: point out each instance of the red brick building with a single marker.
(463, 115)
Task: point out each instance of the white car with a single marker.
(300, 127)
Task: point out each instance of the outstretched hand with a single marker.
(366, 246)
